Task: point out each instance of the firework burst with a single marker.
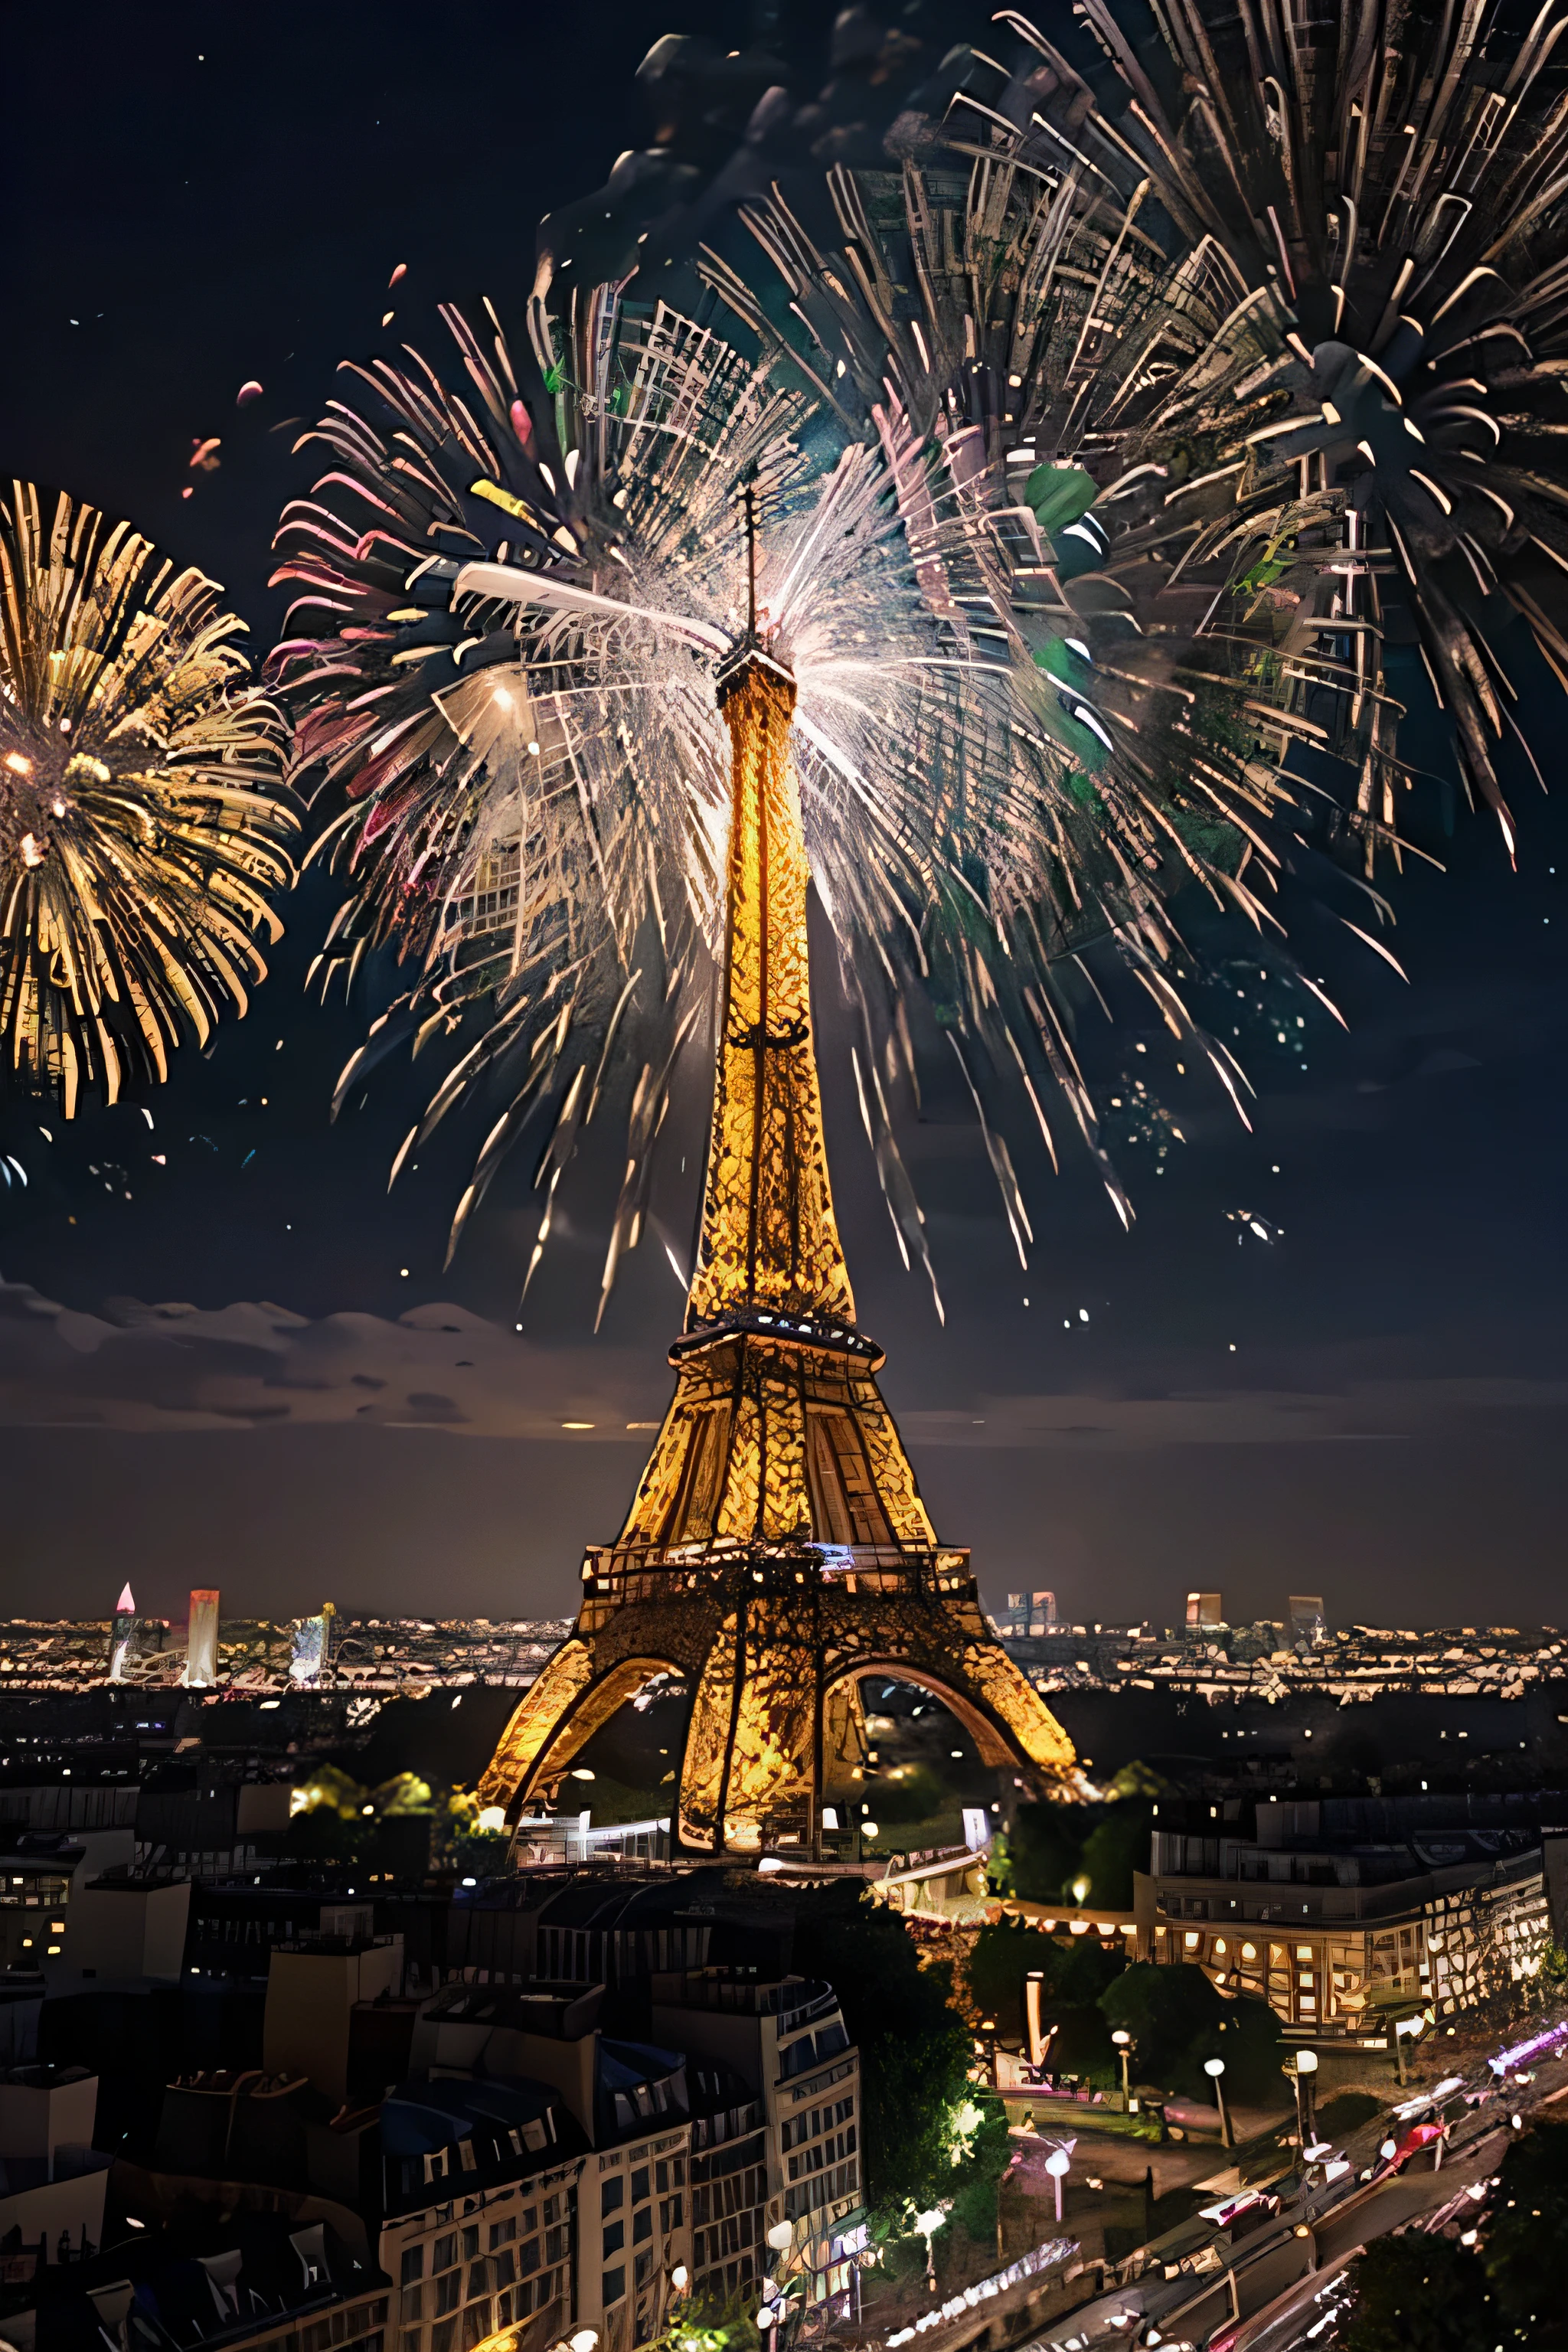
(1119, 476)
(141, 820)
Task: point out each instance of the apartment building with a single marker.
(789, 2152)
(246, 2282)
(52, 2179)
(1339, 1912)
(480, 2195)
(525, 2117)
(728, 2183)
(36, 1873)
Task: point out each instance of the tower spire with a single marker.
(769, 1240)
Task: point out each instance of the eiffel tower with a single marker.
(777, 1547)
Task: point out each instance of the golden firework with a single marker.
(143, 821)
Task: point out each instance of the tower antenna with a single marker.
(748, 502)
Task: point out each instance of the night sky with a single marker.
(1369, 1403)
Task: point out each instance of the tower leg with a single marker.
(751, 1748)
(574, 1697)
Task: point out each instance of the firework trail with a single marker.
(1136, 422)
(142, 822)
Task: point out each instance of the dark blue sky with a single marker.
(1369, 1404)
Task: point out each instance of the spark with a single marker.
(1052, 671)
(142, 810)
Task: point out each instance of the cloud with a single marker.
(254, 1365)
(1365, 1411)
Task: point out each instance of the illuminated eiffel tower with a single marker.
(777, 1547)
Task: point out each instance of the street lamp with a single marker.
(780, 2238)
(1215, 2069)
(1123, 2044)
(1056, 2165)
(1306, 2083)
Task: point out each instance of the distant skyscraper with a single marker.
(1030, 1612)
(201, 1642)
(1204, 1609)
(1307, 1620)
(121, 1634)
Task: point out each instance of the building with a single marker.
(320, 1989)
(256, 1655)
(37, 1872)
(125, 1926)
(248, 2281)
(1307, 1622)
(796, 2137)
(52, 2179)
(480, 2207)
(728, 2183)
(1030, 1612)
(200, 1819)
(599, 2139)
(1339, 1912)
(201, 1641)
(222, 2127)
(1205, 1608)
(236, 1924)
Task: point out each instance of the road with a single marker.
(1279, 2287)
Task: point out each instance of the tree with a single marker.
(1177, 2020)
(1527, 2227)
(916, 1795)
(1073, 1973)
(915, 2049)
(1050, 1848)
(1004, 1955)
(1416, 2294)
(1044, 1851)
(1117, 1846)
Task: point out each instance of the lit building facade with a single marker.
(1335, 1926)
(790, 2153)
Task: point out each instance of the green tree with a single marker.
(915, 2049)
(1082, 2045)
(1416, 2294)
(1045, 1851)
(1049, 1848)
(1178, 2021)
(332, 1790)
(1115, 1847)
(1074, 1974)
(980, 2140)
(1527, 2227)
(1346, 2111)
(916, 1795)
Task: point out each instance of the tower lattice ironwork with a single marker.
(777, 1547)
